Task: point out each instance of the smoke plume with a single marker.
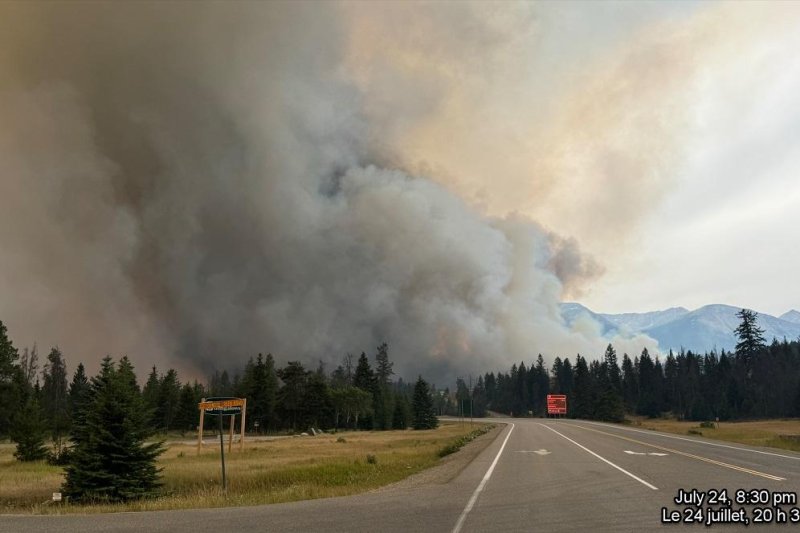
(193, 184)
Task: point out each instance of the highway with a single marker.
(537, 475)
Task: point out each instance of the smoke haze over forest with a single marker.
(191, 185)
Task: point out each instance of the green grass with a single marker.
(460, 442)
(265, 472)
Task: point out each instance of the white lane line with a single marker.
(482, 484)
(658, 433)
(640, 480)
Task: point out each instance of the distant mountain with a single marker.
(572, 311)
(704, 329)
(791, 316)
(635, 322)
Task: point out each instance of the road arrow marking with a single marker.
(658, 454)
(540, 452)
(634, 453)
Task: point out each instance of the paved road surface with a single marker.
(538, 475)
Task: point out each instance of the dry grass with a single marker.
(283, 470)
(755, 433)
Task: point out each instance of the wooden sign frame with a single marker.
(223, 407)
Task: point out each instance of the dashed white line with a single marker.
(640, 480)
(482, 484)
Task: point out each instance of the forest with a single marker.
(757, 380)
(46, 404)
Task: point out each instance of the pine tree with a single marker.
(424, 415)
(110, 460)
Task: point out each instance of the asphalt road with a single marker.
(538, 475)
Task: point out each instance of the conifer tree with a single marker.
(10, 380)
(29, 431)
(364, 379)
(424, 415)
(751, 338)
(150, 394)
(291, 396)
(582, 391)
(54, 398)
(169, 395)
(402, 412)
(188, 414)
(78, 400)
(110, 460)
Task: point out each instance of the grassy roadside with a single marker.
(783, 434)
(276, 471)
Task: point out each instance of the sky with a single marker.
(192, 187)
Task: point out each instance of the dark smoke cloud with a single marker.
(191, 184)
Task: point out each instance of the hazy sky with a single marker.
(663, 137)
(194, 184)
(727, 229)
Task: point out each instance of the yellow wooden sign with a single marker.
(222, 404)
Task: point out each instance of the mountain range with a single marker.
(710, 327)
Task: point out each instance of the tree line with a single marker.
(103, 429)
(756, 380)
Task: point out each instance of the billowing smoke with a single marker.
(192, 184)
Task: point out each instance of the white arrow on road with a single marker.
(648, 453)
(540, 452)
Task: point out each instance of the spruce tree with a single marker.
(10, 380)
(188, 415)
(364, 379)
(150, 394)
(424, 415)
(78, 400)
(291, 397)
(169, 395)
(110, 460)
(55, 399)
(402, 412)
(582, 391)
(29, 431)
(751, 338)
(383, 400)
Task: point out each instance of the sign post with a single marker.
(556, 404)
(220, 407)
